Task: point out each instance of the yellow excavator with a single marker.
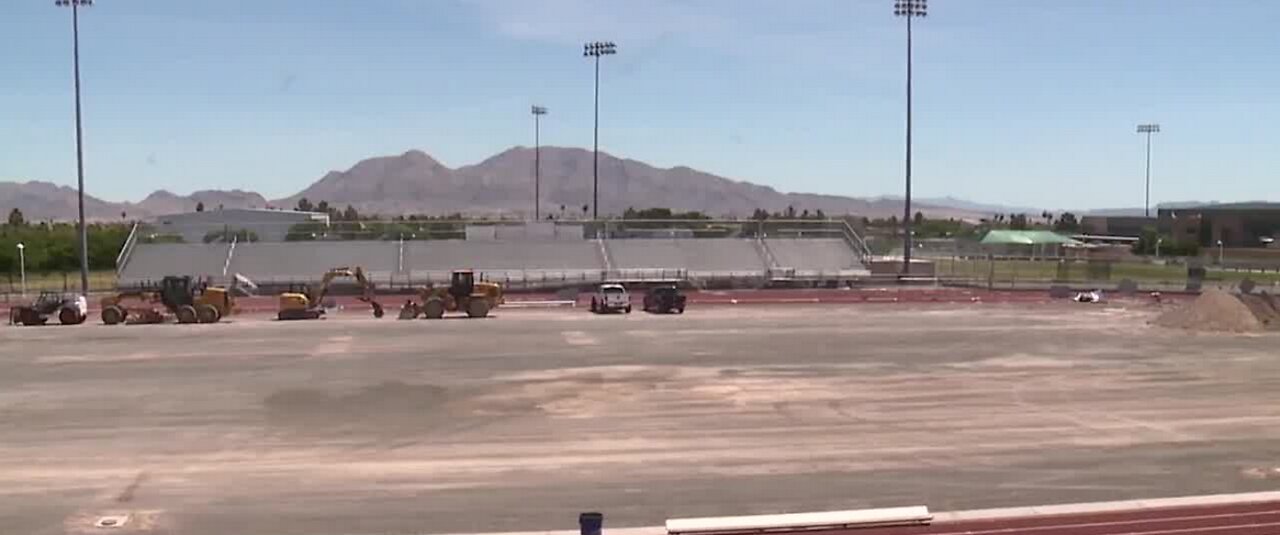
(464, 294)
(307, 303)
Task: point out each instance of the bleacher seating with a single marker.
(692, 255)
(445, 255)
(306, 260)
(814, 255)
(511, 260)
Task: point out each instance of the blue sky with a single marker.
(1017, 101)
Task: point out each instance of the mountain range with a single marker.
(416, 183)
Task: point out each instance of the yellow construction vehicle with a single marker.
(464, 294)
(307, 303)
(188, 302)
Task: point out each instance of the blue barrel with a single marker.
(590, 523)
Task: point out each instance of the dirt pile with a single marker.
(1215, 310)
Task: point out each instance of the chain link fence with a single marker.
(14, 290)
(1167, 274)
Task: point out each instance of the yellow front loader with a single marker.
(464, 294)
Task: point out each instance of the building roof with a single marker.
(252, 214)
(1026, 237)
(1105, 238)
(1227, 206)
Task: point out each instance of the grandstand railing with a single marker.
(855, 240)
(125, 250)
(231, 253)
(770, 259)
(420, 230)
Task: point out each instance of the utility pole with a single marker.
(1148, 129)
(75, 46)
(595, 50)
(909, 9)
(538, 111)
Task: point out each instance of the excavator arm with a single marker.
(321, 289)
(367, 294)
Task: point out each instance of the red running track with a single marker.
(1235, 519)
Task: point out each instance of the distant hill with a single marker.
(43, 201)
(162, 202)
(985, 208)
(46, 201)
(416, 183)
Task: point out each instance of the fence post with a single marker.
(991, 272)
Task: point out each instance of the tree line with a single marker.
(54, 247)
(924, 227)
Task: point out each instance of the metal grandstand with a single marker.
(519, 254)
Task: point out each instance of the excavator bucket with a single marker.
(409, 311)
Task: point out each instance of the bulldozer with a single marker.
(307, 302)
(464, 294)
(187, 301)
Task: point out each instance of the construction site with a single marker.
(306, 270)
(770, 368)
(521, 420)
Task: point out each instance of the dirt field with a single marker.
(519, 422)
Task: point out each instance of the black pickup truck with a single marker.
(664, 300)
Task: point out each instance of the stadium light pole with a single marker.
(22, 266)
(909, 9)
(75, 47)
(1148, 129)
(537, 111)
(595, 50)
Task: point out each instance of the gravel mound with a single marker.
(1215, 311)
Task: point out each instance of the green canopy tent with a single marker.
(1010, 240)
(1027, 237)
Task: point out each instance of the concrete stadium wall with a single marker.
(269, 225)
(502, 255)
(152, 261)
(306, 260)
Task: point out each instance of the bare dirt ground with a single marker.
(520, 421)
